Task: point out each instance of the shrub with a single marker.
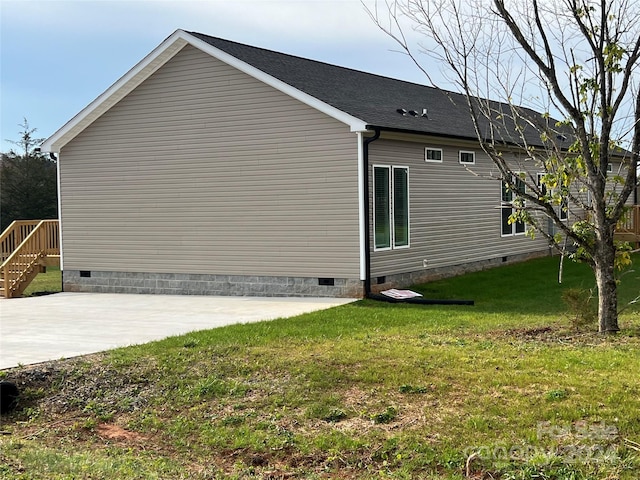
(582, 309)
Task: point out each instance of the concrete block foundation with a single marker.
(195, 284)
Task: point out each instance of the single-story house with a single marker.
(214, 167)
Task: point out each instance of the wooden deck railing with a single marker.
(628, 228)
(39, 247)
(14, 235)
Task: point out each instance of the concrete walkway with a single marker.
(63, 325)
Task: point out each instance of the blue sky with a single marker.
(57, 56)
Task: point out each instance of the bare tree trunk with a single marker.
(604, 270)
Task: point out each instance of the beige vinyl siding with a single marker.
(204, 169)
(454, 214)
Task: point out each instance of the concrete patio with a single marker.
(63, 325)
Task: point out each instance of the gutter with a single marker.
(367, 238)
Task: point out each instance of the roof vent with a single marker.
(413, 113)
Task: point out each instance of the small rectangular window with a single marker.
(433, 155)
(467, 158)
(609, 168)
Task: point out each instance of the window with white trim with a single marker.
(433, 154)
(508, 197)
(467, 157)
(390, 207)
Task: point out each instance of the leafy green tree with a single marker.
(28, 181)
(576, 60)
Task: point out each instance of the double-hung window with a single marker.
(390, 207)
(507, 208)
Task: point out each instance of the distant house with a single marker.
(219, 168)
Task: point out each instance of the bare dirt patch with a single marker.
(114, 432)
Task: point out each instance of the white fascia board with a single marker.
(116, 92)
(355, 124)
(158, 57)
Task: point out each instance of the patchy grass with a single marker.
(505, 389)
(45, 283)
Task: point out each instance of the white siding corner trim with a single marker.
(158, 57)
(59, 215)
(361, 215)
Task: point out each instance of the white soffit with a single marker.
(158, 57)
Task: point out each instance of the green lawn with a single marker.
(45, 283)
(366, 390)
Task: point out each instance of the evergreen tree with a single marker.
(28, 181)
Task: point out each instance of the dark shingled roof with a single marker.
(371, 98)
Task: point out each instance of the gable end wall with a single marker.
(204, 170)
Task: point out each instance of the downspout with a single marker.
(367, 210)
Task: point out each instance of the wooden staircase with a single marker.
(27, 247)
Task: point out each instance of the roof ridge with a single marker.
(298, 57)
